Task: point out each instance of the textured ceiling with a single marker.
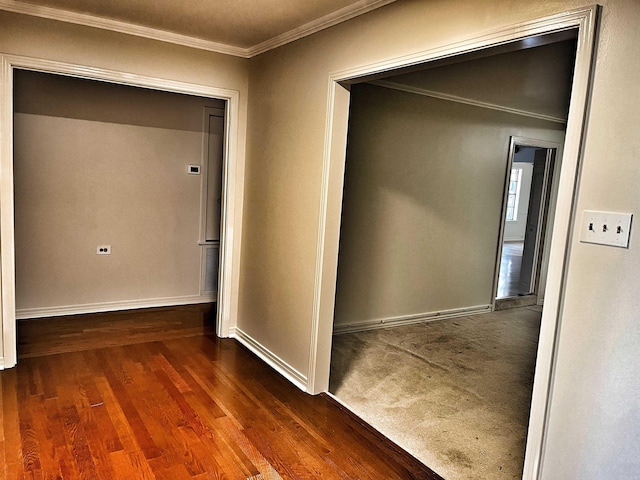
(240, 23)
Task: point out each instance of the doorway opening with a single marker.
(423, 190)
(232, 182)
(580, 24)
(528, 209)
(112, 165)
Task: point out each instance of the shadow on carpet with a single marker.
(454, 393)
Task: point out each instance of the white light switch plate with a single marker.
(606, 228)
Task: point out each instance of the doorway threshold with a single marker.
(515, 302)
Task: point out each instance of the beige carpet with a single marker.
(455, 393)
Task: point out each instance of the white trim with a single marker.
(403, 320)
(7, 252)
(233, 178)
(120, 27)
(230, 220)
(526, 142)
(585, 20)
(466, 101)
(334, 18)
(322, 225)
(41, 312)
(87, 20)
(271, 359)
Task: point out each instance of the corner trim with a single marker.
(334, 18)
(388, 322)
(120, 27)
(270, 358)
(29, 313)
(87, 20)
(467, 101)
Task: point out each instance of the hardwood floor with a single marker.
(194, 407)
(509, 276)
(46, 336)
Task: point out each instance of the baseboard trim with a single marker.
(410, 319)
(515, 302)
(40, 312)
(271, 359)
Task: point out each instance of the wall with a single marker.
(422, 203)
(594, 412)
(95, 164)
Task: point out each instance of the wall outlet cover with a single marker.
(103, 250)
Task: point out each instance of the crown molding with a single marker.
(334, 18)
(339, 16)
(466, 101)
(120, 27)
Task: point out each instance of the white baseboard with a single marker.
(40, 312)
(271, 359)
(409, 319)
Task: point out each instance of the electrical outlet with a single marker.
(606, 228)
(103, 250)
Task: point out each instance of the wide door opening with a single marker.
(417, 349)
(120, 193)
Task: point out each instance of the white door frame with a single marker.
(527, 142)
(585, 21)
(233, 183)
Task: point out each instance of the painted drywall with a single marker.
(523, 76)
(103, 164)
(287, 125)
(594, 413)
(422, 203)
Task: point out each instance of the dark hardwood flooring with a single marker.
(104, 401)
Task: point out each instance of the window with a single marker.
(514, 194)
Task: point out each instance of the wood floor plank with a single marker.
(143, 395)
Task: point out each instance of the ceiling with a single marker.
(246, 26)
(533, 75)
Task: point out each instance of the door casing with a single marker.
(233, 183)
(540, 253)
(585, 22)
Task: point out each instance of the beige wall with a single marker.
(422, 204)
(96, 164)
(40, 38)
(594, 413)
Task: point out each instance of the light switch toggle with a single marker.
(606, 228)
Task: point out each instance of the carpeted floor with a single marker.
(455, 393)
